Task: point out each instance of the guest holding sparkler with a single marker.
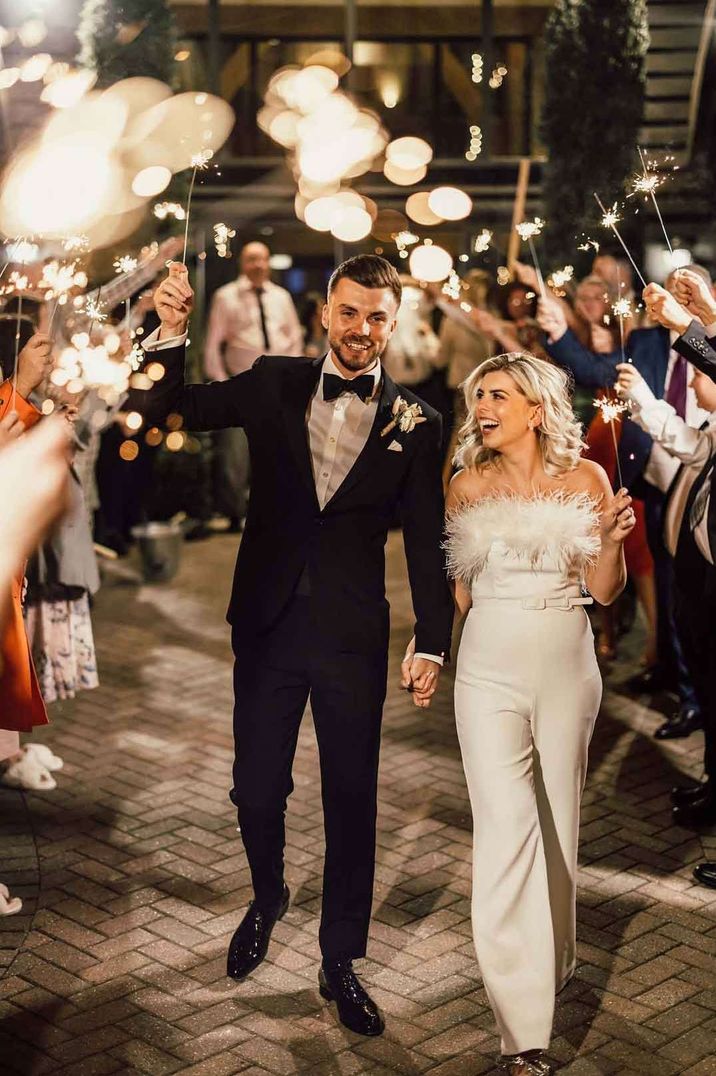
(647, 470)
(690, 533)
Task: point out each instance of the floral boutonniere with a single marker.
(405, 416)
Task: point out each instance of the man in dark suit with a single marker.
(647, 471)
(336, 449)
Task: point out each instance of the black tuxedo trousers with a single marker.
(273, 680)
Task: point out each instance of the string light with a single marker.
(477, 67)
(475, 147)
(482, 241)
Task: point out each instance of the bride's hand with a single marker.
(618, 520)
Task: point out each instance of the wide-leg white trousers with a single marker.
(527, 693)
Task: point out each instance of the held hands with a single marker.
(618, 520)
(173, 301)
(695, 295)
(34, 363)
(663, 307)
(419, 676)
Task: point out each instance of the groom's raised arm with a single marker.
(423, 516)
(216, 406)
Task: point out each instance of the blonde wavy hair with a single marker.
(559, 433)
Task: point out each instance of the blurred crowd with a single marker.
(94, 459)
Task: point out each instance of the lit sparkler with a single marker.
(560, 277)
(482, 241)
(610, 218)
(611, 410)
(452, 286)
(199, 163)
(75, 243)
(646, 184)
(125, 263)
(19, 285)
(528, 230)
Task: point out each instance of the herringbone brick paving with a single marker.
(134, 878)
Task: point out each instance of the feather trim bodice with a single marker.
(555, 529)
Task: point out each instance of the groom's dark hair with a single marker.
(370, 271)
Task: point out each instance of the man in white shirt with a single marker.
(249, 317)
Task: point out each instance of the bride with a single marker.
(531, 527)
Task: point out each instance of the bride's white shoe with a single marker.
(45, 756)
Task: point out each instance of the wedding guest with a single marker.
(28, 509)
(315, 341)
(249, 317)
(690, 315)
(647, 470)
(690, 531)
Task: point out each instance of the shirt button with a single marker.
(333, 440)
(325, 474)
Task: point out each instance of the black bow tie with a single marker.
(362, 386)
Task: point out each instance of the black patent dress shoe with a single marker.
(696, 815)
(250, 942)
(356, 1009)
(685, 721)
(706, 874)
(686, 795)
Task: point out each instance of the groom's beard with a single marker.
(353, 359)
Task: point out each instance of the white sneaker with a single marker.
(28, 772)
(45, 756)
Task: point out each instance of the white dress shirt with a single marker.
(234, 334)
(686, 444)
(661, 465)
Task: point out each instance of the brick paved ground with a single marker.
(134, 879)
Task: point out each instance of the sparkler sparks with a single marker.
(622, 308)
(75, 243)
(58, 279)
(201, 160)
(452, 286)
(589, 244)
(528, 229)
(560, 277)
(125, 263)
(611, 410)
(162, 210)
(482, 241)
(610, 217)
(94, 310)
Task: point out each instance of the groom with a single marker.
(336, 448)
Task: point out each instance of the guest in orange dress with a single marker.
(21, 705)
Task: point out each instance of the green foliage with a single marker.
(593, 109)
(126, 38)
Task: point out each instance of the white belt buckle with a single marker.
(534, 603)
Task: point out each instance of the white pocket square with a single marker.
(395, 446)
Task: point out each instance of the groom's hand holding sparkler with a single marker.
(173, 301)
(34, 363)
(694, 293)
(663, 308)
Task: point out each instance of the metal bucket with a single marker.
(160, 549)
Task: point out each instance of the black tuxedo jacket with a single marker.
(698, 348)
(342, 546)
